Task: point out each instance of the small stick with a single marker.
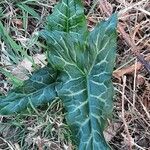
(134, 48)
(134, 85)
(123, 114)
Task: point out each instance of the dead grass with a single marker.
(130, 126)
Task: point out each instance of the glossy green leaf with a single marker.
(85, 85)
(40, 88)
(68, 16)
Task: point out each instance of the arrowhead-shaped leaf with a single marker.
(40, 88)
(85, 84)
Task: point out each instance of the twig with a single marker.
(133, 143)
(145, 109)
(123, 114)
(134, 48)
(118, 73)
(144, 11)
(134, 85)
(142, 116)
(132, 6)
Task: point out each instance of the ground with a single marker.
(129, 127)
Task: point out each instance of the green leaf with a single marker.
(29, 10)
(68, 16)
(39, 89)
(85, 85)
(16, 81)
(16, 48)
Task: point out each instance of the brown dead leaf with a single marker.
(130, 69)
(25, 67)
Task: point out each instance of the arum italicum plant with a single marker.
(79, 70)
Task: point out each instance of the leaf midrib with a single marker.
(88, 98)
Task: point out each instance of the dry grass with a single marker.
(130, 126)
